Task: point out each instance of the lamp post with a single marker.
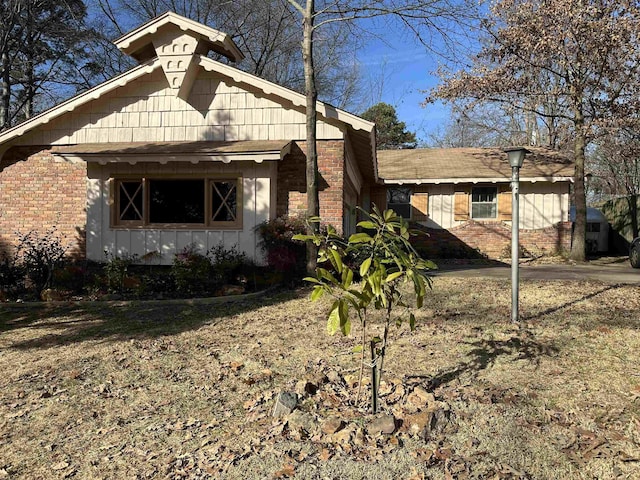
(516, 158)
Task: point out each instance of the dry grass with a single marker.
(183, 391)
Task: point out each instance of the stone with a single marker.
(360, 438)
(343, 437)
(51, 295)
(385, 424)
(334, 377)
(421, 398)
(301, 421)
(286, 402)
(419, 424)
(331, 425)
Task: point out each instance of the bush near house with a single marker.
(40, 271)
(283, 253)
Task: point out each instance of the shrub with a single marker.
(40, 255)
(115, 271)
(283, 252)
(228, 264)
(11, 277)
(191, 271)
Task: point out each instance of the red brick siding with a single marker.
(492, 239)
(292, 183)
(37, 192)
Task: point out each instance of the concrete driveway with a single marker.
(610, 272)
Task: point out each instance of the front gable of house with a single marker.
(181, 150)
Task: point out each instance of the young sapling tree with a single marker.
(394, 281)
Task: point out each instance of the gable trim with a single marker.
(74, 102)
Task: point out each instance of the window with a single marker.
(399, 200)
(484, 202)
(177, 202)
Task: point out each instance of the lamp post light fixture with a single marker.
(516, 158)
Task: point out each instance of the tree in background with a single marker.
(267, 32)
(615, 171)
(500, 125)
(424, 19)
(391, 132)
(567, 61)
(41, 47)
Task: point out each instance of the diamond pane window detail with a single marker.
(224, 205)
(131, 201)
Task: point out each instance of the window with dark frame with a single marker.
(484, 202)
(208, 202)
(399, 200)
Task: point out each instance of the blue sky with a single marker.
(408, 70)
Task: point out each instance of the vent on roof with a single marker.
(177, 41)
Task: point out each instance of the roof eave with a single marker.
(474, 180)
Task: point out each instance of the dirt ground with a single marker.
(186, 390)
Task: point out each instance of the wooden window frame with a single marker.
(209, 224)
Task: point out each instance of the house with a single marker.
(187, 150)
(462, 198)
(182, 149)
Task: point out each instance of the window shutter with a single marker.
(419, 207)
(461, 206)
(379, 197)
(504, 205)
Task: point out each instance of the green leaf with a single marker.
(357, 349)
(312, 280)
(345, 323)
(337, 260)
(347, 277)
(360, 238)
(333, 321)
(412, 321)
(364, 267)
(368, 224)
(392, 276)
(318, 290)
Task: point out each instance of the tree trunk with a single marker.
(632, 201)
(313, 203)
(5, 101)
(580, 200)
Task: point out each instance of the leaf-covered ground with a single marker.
(187, 391)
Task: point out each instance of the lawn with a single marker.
(186, 390)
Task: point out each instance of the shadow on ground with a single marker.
(59, 325)
(485, 352)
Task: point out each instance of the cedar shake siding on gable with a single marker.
(39, 191)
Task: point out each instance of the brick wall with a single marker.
(491, 239)
(292, 183)
(37, 192)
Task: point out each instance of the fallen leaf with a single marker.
(287, 471)
(59, 466)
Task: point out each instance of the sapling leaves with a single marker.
(389, 261)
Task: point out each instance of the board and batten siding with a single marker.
(147, 110)
(541, 205)
(257, 198)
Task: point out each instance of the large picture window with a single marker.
(484, 202)
(177, 202)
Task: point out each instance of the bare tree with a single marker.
(40, 46)
(268, 33)
(424, 19)
(615, 170)
(568, 61)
